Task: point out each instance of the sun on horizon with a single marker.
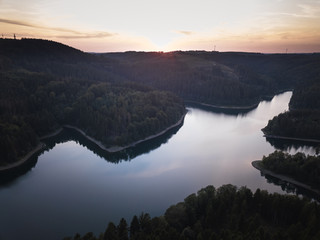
(274, 26)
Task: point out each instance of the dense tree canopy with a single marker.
(36, 99)
(225, 213)
(118, 98)
(303, 119)
(116, 114)
(218, 78)
(299, 166)
(45, 84)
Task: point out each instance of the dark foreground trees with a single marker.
(225, 213)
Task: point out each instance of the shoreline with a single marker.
(292, 138)
(257, 164)
(241, 108)
(24, 159)
(114, 149)
(221, 107)
(51, 134)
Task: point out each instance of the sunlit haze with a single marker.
(152, 25)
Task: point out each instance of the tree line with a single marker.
(38, 96)
(45, 84)
(217, 78)
(34, 105)
(303, 168)
(225, 213)
(303, 118)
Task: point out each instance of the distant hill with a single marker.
(38, 48)
(230, 78)
(45, 84)
(217, 78)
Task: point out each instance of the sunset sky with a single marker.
(166, 25)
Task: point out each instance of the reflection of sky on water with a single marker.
(72, 189)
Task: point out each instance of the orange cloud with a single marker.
(72, 34)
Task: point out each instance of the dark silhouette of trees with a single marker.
(115, 97)
(230, 213)
(123, 230)
(134, 227)
(111, 232)
(298, 166)
(46, 85)
(303, 118)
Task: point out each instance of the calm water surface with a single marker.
(72, 189)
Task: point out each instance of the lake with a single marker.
(74, 187)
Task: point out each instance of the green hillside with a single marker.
(45, 85)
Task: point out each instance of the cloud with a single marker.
(302, 11)
(184, 32)
(72, 34)
(309, 11)
(305, 15)
(87, 35)
(20, 23)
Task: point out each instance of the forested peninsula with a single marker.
(304, 170)
(46, 85)
(224, 213)
(120, 98)
(302, 121)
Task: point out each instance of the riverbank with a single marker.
(115, 149)
(112, 149)
(292, 138)
(245, 108)
(24, 159)
(222, 107)
(39, 147)
(51, 134)
(257, 164)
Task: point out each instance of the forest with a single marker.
(235, 79)
(118, 98)
(231, 79)
(225, 213)
(303, 118)
(35, 101)
(305, 169)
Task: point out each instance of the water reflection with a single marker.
(291, 188)
(227, 111)
(7, 177)
(67, 134)
(293, 146)
(77, 188)
(126, 155)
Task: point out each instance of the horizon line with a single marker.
(160, 51)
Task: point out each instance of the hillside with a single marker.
(303, 118)
(118, 98)
(45, 85)
(230, 79)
